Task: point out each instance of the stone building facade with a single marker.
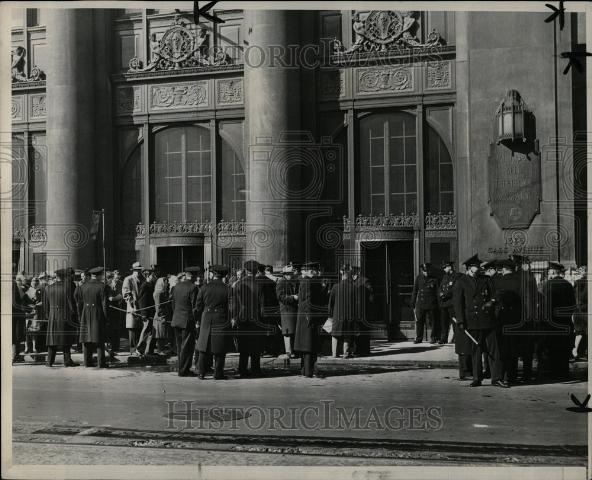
(379, 137)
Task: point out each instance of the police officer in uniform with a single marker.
(270, 309)
(92, 308)
(215, 333)
(246, 315)
(61, 325)
(184, 297)
(424, 302)
(473, 297)
(445, 299)
(287, 294)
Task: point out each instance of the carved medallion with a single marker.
(179, 96)
(230, 91)
(16, 109)
(438, 75)
(377, 80)
(38, 106)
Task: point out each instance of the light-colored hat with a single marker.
(137, 266)
(288, 269)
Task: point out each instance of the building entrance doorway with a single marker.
(174, 259)
(389, 267)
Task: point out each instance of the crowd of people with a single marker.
(496, 314)
(500, 314)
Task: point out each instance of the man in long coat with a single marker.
(509, 316)
(215, 333)
(474, 300)
(114, 313)
(130, 291)
(312, 312)
(92, 309)
(247, 316)
(60, 305)
(287, 294)
(163, 313)
(184, 296)
(559, 304)
(270, 309)
(581, 316)
(364, 303)
(343, 309)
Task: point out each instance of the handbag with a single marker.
(328, 325)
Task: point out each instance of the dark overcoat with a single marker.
(559, 304)
(247, 309)
(215, 333)
(425, 292)
(146, 299)
(271, 307)
(446, 289)
(115, 317)
(184, 296)
(312, 313)
(285, 289)
(472, 298)
(364, 302)
(58, 300)
(344, 308)
(508, 311)
(18, 315)
(92, 305)
(581, 314)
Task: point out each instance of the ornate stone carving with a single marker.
(384, 30)
(332, 83)
(18, 63)
(230, 91)
(178, 95)
(38, 235)
(394, 79)
(180, 48)
(230, 228)
(129, 99)
(38, 109)
(16, 108)
(438, 75)
(381, 222)
(440, 221)
(174, 228)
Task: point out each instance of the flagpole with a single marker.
(104, 256)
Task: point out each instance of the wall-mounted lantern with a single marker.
(514, 121)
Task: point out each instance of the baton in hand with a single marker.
(467, 333)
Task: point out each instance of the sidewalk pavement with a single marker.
(382, 353)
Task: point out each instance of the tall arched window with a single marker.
(182, 175)
(387, 164)
(232, 198)
(439, 176)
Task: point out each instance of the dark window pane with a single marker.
(175, 213)
(446, 177)
(193, 163)
(447, 203)
(410, 156)
(397, 180)
(410, 179)
(396, 151)
(206, 189)
(377, 180)
(411, 204)
(175, 190)
(397, 204)
(377, 204)
(377, 152)
(193, 189)
(174, 167)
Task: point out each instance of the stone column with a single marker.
(272, 116)
(70, 134)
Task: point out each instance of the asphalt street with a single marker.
(357, 415)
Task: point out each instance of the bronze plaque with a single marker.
(514, 186)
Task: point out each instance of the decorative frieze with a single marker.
(385, 79)
(381, 222)
(440, 221)
(229, 91)
(438, 75)
(179, 96)
(38, 108)
(36, 235)
(17, 109)
(230, 228)
(203, 228)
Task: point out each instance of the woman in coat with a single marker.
(343, 309)
(287, 294)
